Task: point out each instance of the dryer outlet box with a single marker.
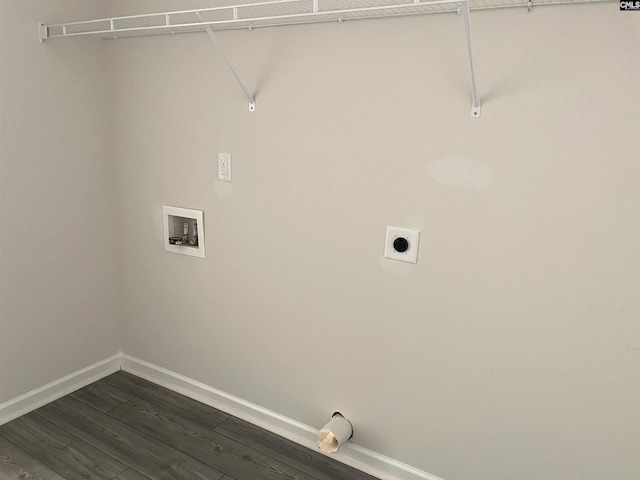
(402, 244)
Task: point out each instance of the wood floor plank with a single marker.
(70, 457)
(145, 455)
(130, 474)
(224, 454)
(173, 402)
(16, 464)
(102, 395)
(170, 437)
(315, 463)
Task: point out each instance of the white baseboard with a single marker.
(351, 454)
(59, 388)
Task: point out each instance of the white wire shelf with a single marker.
(285, 12)
(271, 13)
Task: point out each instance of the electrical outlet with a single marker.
(402, 244)
(224, 167)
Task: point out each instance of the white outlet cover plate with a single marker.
(412, 236)
(224, 167)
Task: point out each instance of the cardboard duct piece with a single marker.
(334, 434)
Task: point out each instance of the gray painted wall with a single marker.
(59, 294)
(511, 350)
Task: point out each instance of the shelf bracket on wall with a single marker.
(43, 32)
(214, 39)
(476, 106)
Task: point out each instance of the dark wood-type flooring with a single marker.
(126, 428)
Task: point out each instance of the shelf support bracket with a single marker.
(476, 106)
(214, 39)
(43, 31)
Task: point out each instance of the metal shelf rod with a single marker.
(312, 13)
(291, 16)
(180, 12)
